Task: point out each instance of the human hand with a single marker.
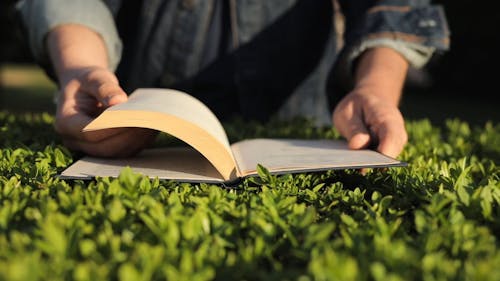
(84, 94)
(365, 119)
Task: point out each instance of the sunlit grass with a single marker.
(437, 219)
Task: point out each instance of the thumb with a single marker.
(359, 140)
(109, 94)
(115, 97)
(103, 85)
(356, 133)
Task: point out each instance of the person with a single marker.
(238, 57)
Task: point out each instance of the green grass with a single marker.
(437, 219)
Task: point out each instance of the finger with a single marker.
(103, 85)
(71, 128)
(125, 144)
(357, 134)
(71, 123)
(359, 140)
(76, 109)
(348, 119)
(392, 139)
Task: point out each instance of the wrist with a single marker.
(390, 95)
(381, 72)
(77, 73)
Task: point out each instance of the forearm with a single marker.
(383, 71)
(74, 47)
(42, 17)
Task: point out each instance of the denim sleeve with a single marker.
(417, 55)
(39, 17)
(414, 28)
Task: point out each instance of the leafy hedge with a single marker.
(438, 219)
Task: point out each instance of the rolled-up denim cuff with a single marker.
(416, 32)
(40, 17)
(419, 25)
(417, 55)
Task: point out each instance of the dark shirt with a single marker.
(217, 41)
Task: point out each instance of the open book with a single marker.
(209, 156)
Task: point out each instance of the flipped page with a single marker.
(177, 114)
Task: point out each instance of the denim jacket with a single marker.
(278, 47)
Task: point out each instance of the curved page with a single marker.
(177, 114)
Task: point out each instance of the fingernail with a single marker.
(108, 99)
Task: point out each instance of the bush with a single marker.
(434, 220)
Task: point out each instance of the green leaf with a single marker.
(464, 196)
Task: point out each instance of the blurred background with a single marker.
(458, 84)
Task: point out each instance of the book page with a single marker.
(177, 114)
(289, 155)
(174, 163)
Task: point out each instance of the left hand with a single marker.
(365, 119)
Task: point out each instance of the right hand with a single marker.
(365, 118)
(84, 94)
